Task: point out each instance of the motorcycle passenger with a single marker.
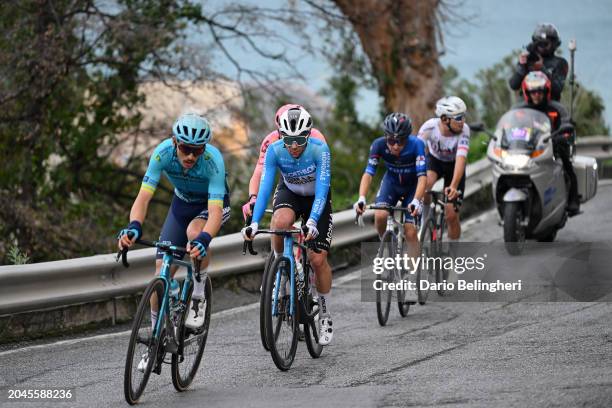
(537, 92)
(540, 56)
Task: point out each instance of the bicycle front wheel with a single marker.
(281, 325)
(311, 327)
(143, 345)
(424, 273)
(192, 342)
(383, 296)
(262, 298)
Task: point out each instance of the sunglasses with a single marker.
(458, 118)
(300, 140)
(543, 44)
(187, 149)
(392, 141)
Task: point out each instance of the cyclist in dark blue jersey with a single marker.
(200, 204)
(405, 178)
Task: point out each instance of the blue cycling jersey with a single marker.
(403, 169)
(308, 175)
(205, 181)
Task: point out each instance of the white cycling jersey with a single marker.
(445, 148)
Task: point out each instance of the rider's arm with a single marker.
(216, 193)
(421, 171)
(557, 75)
(266, 184)
(463, 148)
(322, 182)
(256, 177)
(140, 206)
(460, 162)
(364, 185)
(148, 186)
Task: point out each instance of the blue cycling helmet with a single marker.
(397, 125)
(193, 129)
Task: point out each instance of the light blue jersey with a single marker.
(205, 181)
(308, 175)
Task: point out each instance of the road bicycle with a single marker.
(392, 243)
(150, 343)
(432, 243)
(287, 300)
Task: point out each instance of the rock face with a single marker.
(165, 102)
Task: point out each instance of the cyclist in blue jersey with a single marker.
(303, 191)
(200, 204)
(405, 178)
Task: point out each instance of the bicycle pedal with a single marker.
(157, 369)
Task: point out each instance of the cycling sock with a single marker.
(198, 287)
(277, 254)
(324, 304)
(153, 319)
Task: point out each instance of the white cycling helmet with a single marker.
(295, 121)
(450, 106)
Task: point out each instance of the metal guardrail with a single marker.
(25, 288)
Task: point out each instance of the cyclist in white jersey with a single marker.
(447, 141)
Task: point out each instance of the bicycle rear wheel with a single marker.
(424, 273)
(311, 328)
(441, 272)
(191, 343)
(143, 346)
(383, 296)
(281, 328)
(262, 297)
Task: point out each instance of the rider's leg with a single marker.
(562, 150)
(453, 223)
(282, 219)
(380, 221)
(323, 272)
(452, 216)
(432, 177)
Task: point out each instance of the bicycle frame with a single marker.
(288, 253)
(164, 274)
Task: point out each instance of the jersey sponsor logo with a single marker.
(157, 157)
(325, 167)
(420, 161)
(302, 172)
(299, 180)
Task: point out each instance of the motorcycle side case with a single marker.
(586, 173)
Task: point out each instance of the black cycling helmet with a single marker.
(546, 32)
(397, 125)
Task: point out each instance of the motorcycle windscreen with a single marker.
(522, 129)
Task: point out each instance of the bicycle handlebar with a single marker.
(122, 253)
(302, 230)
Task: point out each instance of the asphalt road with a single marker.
(513, 354)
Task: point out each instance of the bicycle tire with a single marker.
(262, 297)
(427, 247)
(311, 329)
(383, 303)
(132, 394)
(441, 272)
(282, 360)
(402, 306)
(180, 382)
